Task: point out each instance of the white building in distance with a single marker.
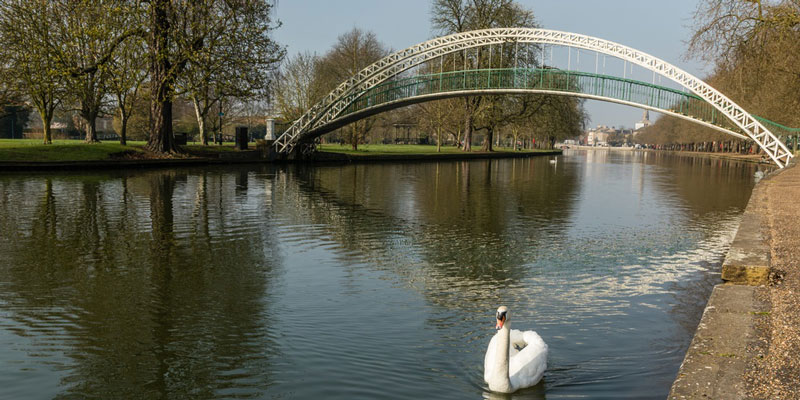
(644, 123)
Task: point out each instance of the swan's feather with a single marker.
(527, 367)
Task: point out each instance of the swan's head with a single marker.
(502, 316)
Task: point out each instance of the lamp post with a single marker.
(221, 114)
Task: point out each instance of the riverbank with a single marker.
(22, 155)
(747, 339)
(398, 153)
(752, 158)
(30, 150)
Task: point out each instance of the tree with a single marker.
(127, 74)
(237, 63)
(87, 35)
(353, 51)
(756, 48)
(298, 86)
(59, 50)
(31, 62)
(560, 117)
(438, 116)
(453, 16)
(181, 32)
(138, 123)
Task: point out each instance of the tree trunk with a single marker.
(47, 119)
(487, 141)
(468, 131)
(91, 128)
(48, 136)
(201, 121)
(354, 136)
(516, 135)
(123, 132)
(160, 140)
(162, 80)
(439, 139)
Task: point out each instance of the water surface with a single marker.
(359, 281)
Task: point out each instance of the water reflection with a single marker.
(374, 281)
(445, 212)
(129, 294)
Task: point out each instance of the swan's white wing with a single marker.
(517, 341)
(527, 367)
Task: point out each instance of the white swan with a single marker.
(514, 359)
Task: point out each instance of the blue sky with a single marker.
(658, 28)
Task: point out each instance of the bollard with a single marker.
(241, 138)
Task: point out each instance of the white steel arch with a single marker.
(330, 107)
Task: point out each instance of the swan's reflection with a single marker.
(532, 393)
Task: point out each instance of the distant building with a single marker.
(645, 122)
(599, 136)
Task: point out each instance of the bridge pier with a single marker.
(303, 151)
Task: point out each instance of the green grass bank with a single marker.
(32, 150)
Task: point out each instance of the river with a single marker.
(359, 281)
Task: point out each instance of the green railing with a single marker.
(549, 79)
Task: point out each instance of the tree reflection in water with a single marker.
(130, 285)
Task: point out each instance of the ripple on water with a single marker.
(356, 282)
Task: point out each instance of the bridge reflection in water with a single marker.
(358, 281)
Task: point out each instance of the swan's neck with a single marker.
(499, 381)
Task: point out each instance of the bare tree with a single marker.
(453, 16)
(353, 51)
(298, 86)
(127, 74)
(755, 48)
(438, 116)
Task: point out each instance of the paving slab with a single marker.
(716, 360)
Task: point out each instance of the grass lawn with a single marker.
(76, 150)
(378, 149)
(61, 150)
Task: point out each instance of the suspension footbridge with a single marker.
(383, 86)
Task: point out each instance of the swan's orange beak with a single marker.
(500, 322)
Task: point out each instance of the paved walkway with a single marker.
(777, 374)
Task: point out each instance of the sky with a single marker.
(657, 28)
